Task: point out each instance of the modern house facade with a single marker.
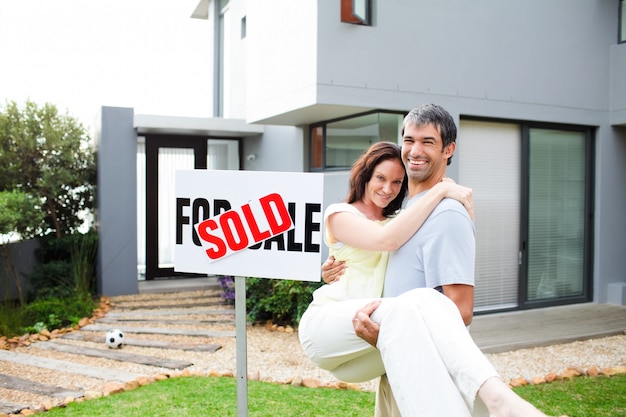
(538, 90)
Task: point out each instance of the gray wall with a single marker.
(117, 202)
(280, 148)
(610, 221)
(533, 59)
(618, 84)
(22, 255)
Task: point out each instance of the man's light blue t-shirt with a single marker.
(442, 252)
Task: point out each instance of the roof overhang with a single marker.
(196, 126)
(310, 114)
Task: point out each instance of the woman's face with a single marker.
(385, 183)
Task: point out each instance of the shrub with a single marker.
(55, 313)
(282, 301)
(66, 266)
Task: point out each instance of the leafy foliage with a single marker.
(282, 301)
(54, 313)
(19, 213)
(66, 266)
(49, 156)
(64, 281)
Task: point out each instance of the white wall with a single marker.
(282, 56)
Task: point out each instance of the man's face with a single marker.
(424, 158)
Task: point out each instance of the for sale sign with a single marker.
(249, 223)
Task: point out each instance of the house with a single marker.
(538, 90)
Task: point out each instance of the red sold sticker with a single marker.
(238, 229)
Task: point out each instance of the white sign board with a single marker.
(249, 223)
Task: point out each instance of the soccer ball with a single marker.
(114, 339)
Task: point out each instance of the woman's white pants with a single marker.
(434, 367)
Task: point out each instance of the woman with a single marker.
(366, 220)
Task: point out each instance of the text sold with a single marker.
(237, 229)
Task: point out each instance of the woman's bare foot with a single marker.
(502, 401)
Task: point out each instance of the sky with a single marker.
(83, 54)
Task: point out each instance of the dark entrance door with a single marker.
(164, 154)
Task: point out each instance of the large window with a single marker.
(497, 204)
(557, 214)
(337, 144)
(533, 205)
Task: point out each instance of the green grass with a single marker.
(207, 396)
(600, 396)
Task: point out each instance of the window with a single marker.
(622, 21)
(497, 204)
(558, 209)
(533, 205)
(356, 12)
(337, 144)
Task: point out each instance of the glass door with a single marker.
(559, 198)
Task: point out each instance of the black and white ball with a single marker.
(114, 338)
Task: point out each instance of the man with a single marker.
(419, 356)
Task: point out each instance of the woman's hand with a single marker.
(332, 270)
(460, 193)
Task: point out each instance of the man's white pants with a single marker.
(434, 367)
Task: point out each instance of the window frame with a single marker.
(621, 30)
(324, 126)
(356, 12)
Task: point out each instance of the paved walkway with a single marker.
(502, 332)
(497, 332)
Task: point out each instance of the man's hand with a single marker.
(332, 270)
(364, 327)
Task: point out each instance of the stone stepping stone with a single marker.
(67, 366)
(20, 384)
(11, 408)
(148, 320)
(90, 337)
(177, 312)
(138, 306)
(114, 354)
(155, 330)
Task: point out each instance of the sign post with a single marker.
(248, 223)
(241, 347)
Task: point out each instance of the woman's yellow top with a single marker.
(365, 275)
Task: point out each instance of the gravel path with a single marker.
(274, 355)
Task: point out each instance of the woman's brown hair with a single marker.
(363, 169)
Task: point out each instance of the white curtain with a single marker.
(170, 160)
(496, 185)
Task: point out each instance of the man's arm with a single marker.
(463, 297)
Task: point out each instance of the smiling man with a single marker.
(441, 254)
